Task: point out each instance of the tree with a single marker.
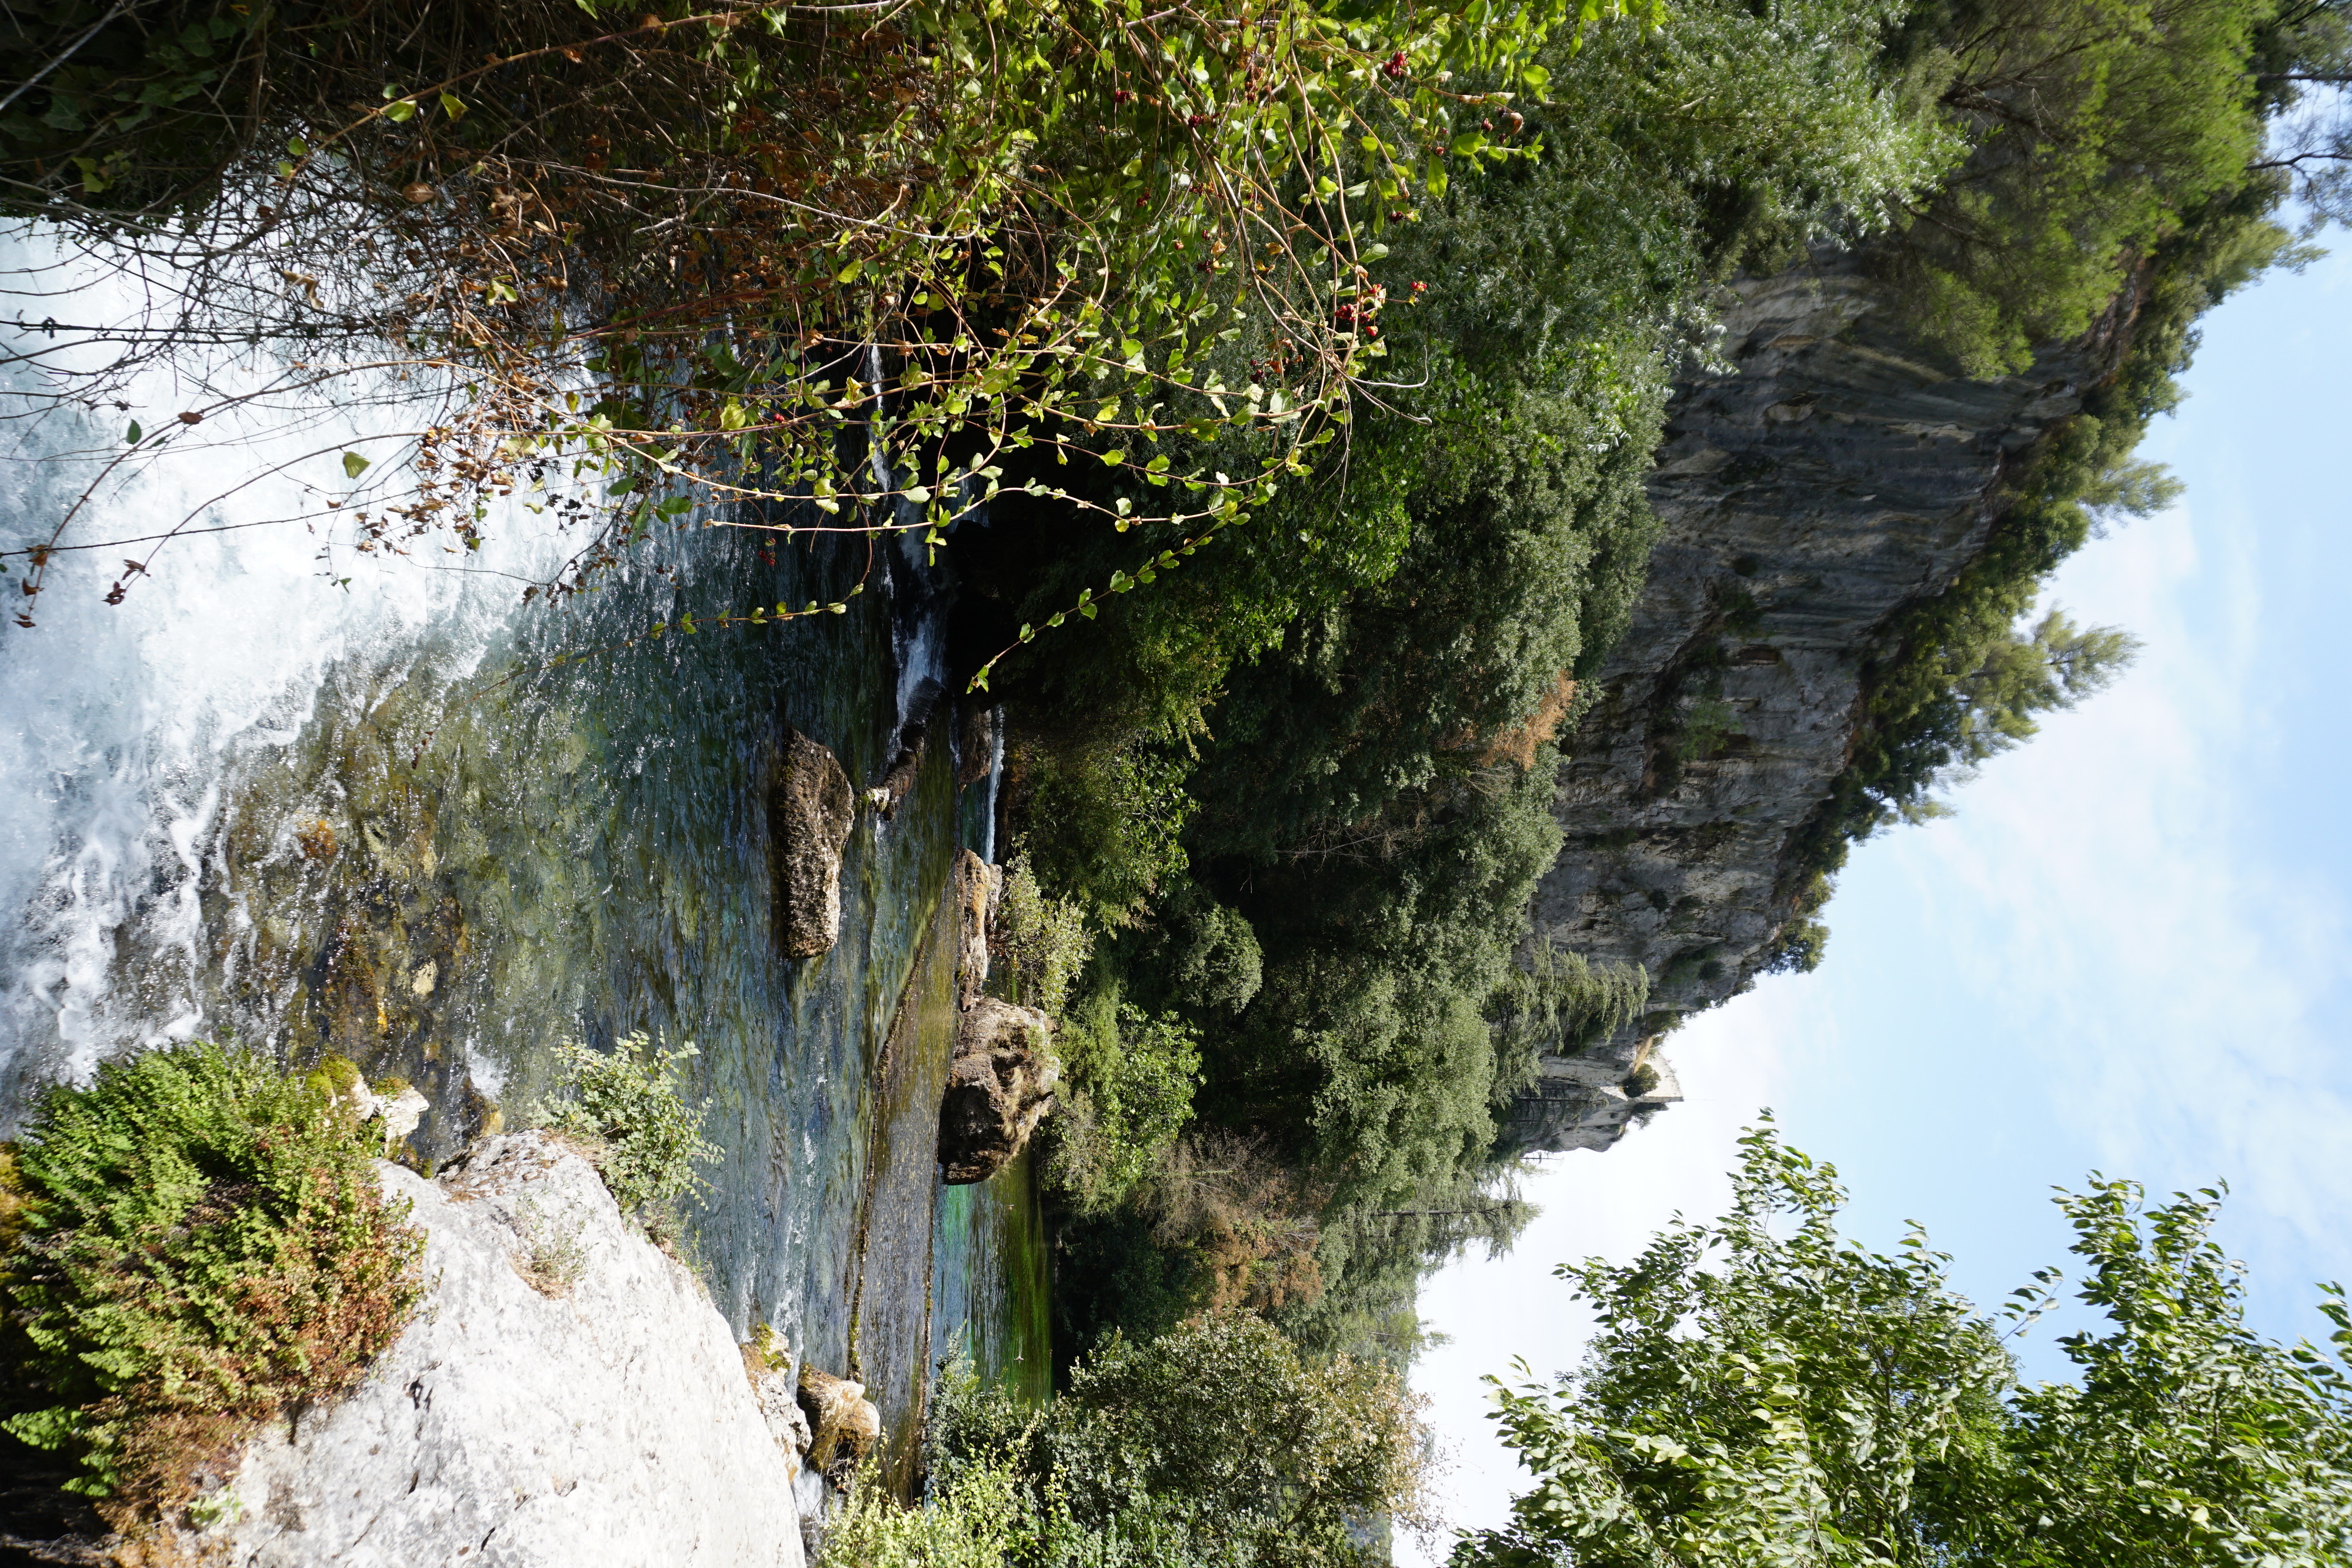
(1756, 1397)
(1215, 1446)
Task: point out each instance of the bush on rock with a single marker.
(191, 1243)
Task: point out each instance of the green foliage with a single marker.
(1118, 816)
(1214, 1446)
(1797, 949)
(1368, 1048)
(1203, 956)
(1044, 227)
(196, 1241)
(1114, 1274)
(2304, 65)
(1374, 1255)
(977, 1514)
(2188, 1438)
(1039, 942)
(629, 1107)
(145, 105)
(2100, 130)
(1130, 1078)
(1370, 677)
(1762, 1390)
(1559, 1005)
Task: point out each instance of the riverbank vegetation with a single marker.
(188, 1245)
(1216, 1443)
(1300, 791)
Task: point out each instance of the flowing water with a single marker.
(414, 822)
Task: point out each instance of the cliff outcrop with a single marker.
(1827, 473)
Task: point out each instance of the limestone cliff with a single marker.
(1829, 473)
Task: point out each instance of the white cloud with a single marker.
(2115, 901)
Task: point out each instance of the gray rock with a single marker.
(976, 887)
(1833, 475)
(811, 809)
(1000, 1087)
(607, 1424)
(923, 718)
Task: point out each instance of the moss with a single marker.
(336, 1077)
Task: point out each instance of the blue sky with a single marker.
(2125, 953)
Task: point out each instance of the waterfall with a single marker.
(118, 723)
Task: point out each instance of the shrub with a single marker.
(1131, 1078)
(1118, 816)
(1559, 1005)
(626, 1105)
(982, 1518)
(1216, 1445)
(1219, 1442)
(195, 1242)
(1250, 1219)
(1039, 943)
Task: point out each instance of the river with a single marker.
(412, 820)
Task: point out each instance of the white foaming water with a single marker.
(118, 724)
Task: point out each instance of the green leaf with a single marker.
(401, 112)
(453, 106)
(133, 434)
(354, 463)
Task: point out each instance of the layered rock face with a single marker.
(1833, 475)
(566, 1396)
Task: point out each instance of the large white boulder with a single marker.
(567, 1397)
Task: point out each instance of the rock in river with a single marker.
(999, 1089)
(811, 809)
(977, 887)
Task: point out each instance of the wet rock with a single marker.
(1000, 1087)
(843, 1423)
(607, 1427)
(393, 1103)
(777, 1392)
(976, 886)
(975, 744)
(914, 739)
(811, 809)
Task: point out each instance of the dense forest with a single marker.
(1280, 384)
(1301, 789)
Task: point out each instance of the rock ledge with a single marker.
(567, 1397)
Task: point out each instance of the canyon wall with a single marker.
(1824, 477)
